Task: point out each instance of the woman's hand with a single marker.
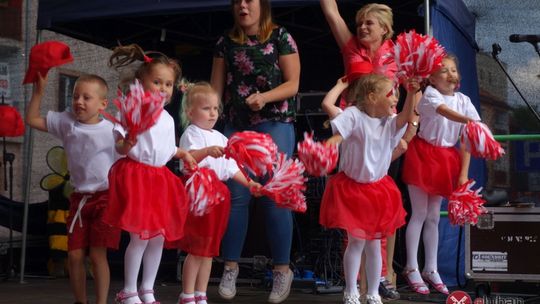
(256, 101)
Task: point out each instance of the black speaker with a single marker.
(310, 117)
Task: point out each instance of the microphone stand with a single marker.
(496, 50)
(535, 45)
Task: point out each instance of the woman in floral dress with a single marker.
(256, 68)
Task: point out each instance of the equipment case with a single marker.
(504, 245)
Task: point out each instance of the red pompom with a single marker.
(139, 110)
(319, 159)
(252, 150)
(465, 205)
(479, 141)
(287, 184)
(202, 191)
(416, 55)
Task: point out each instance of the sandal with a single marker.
(186, 300)
(426, 275)
(200, 298)
(122, 296)
(418, 287)
(147, 291)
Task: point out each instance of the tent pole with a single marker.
(427, 19)
(28, 148)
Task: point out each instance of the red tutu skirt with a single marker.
(203, 234)
(366, 211)
(430, 168)
(146, 200)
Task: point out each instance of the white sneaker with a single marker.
(227, 285)
(281, 286)
(373, 299)
(350, 298)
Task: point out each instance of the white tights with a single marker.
(351, 264)
(149, 253)
(425, 212)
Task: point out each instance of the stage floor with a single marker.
(56, 291)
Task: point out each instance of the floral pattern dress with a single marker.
(254, 67)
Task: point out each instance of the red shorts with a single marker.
(89, 230)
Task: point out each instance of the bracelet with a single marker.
(414, 124)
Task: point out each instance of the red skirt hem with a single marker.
(146, 200)
(366, 211)
(432, 169)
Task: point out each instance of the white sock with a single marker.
(132, 264)
(151, 261)
(200, 294)
(187, 296)
(351, 263)
(373, 266)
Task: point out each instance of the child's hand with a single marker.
(342, 82)
(215, 151)
(40, 83)
(412, 85)
(462, 180)
(255, 188)
(332, 141)
(124, 145)
(189, 161)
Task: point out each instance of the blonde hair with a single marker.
(266, 25)
(124, 55)
(190, 91)
(382, 12)
(360, 89)
(91, 78)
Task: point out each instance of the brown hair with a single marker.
(452, 57)
(382, 12)
(190, 91)
(124, 55)
(363, 86)
(266, 25)
(91, 78)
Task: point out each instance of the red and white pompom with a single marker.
(465, 205)
(139, 110)
(479, 141)
(287, 184)
(202, 192)
(252, 150)
(416, 55)
(319, 159)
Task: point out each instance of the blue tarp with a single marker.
(454, 27)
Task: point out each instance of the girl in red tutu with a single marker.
(146, 198)
(203, 234)
(362, 199)
(434, 168)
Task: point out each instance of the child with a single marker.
(362, 199)
(203, 234)
(147, 199)
(433, 168)
(89, 145)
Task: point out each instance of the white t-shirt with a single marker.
(195, 138)
(366, 150)
(156, 146)
(89, 149)
(437, 129)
